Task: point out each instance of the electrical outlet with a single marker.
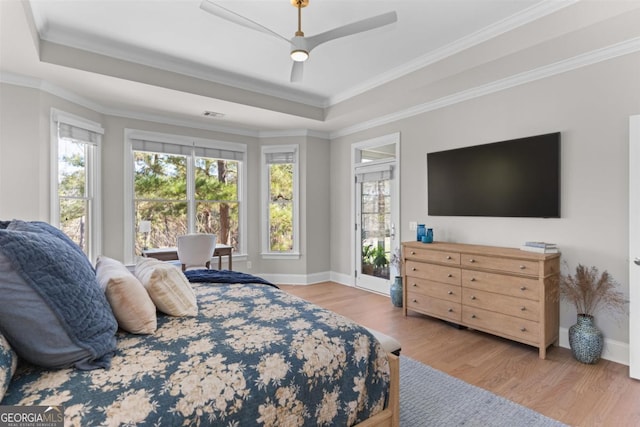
(413, 225)
(248, 265)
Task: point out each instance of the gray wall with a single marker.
(25, 177)
(590, 106)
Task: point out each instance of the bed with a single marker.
(250, 355)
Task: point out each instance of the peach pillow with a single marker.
(131, 305)
(167, 286)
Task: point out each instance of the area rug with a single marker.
(429, 397)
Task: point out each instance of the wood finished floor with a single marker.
(558, 387)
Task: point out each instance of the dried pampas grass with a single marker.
(591, 291)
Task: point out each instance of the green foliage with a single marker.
(160, 185)
(281, 207)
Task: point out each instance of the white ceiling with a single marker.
(178, 36)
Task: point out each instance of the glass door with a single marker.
(376, 229)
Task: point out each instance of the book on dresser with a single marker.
(503, 291)
(540, 247)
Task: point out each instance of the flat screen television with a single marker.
(515, 178)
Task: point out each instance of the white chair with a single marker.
(195, 250)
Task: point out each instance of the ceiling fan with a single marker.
(301, 46)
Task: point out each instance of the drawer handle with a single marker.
(450, 310)
(413, 252)
(523, 329)
(448, 256)
(472, 260)
(413, 269)
(473, 316)
(522, 267)
(523, 308)
(450, 292)
(473, 297)
(473, 279)
(415, 284)
(415, 300)
(523, 288)
(449, 275)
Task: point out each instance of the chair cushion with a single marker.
(130, 302)
(8, 364)
(168, 288)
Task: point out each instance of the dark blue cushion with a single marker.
(58, 315)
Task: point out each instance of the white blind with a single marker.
(280, 158)
(376, 173)
(186, 150)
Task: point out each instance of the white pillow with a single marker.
(130, 302)
(167, 286)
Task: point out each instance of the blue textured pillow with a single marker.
(43, 227)
(58, 316)
(8, 364)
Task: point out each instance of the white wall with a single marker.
(590, 106)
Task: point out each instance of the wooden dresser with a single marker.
(502, 291)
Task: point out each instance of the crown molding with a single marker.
(510, 23)
(569, 64)
(293, 132)
(599, 55)
(135, 55)
(35, 83)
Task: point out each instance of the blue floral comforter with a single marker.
(253, 356)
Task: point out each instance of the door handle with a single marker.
(637, 261)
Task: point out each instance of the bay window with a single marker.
(185, 185)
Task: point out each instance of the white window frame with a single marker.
(266, 251)
(129, 214)
(93, 171)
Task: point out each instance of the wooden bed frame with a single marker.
(390, 417)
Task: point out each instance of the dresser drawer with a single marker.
(513, 306)
(429, 288)
(433, 256)
(508, 265)
(501, 324)
(521, 287)
(435, 307)
(438, 273)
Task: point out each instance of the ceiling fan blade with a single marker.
(229, 15)
(350, 29)
(296, 71)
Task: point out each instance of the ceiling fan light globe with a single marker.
(299, 55)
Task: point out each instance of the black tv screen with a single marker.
(515, 178)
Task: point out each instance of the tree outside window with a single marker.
(280, 198)
(161, 191)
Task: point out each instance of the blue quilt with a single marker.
(254, 356)
(223, 276)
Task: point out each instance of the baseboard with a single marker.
(343, 279)
(615, 351)
(297, 279)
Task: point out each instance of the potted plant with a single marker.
(380, 261)
(590, 292)
(367, 259)
(395, 290)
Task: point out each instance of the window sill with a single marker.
(276, 255)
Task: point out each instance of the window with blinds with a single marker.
(280, 200)
(75, 205)
(181, 186)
